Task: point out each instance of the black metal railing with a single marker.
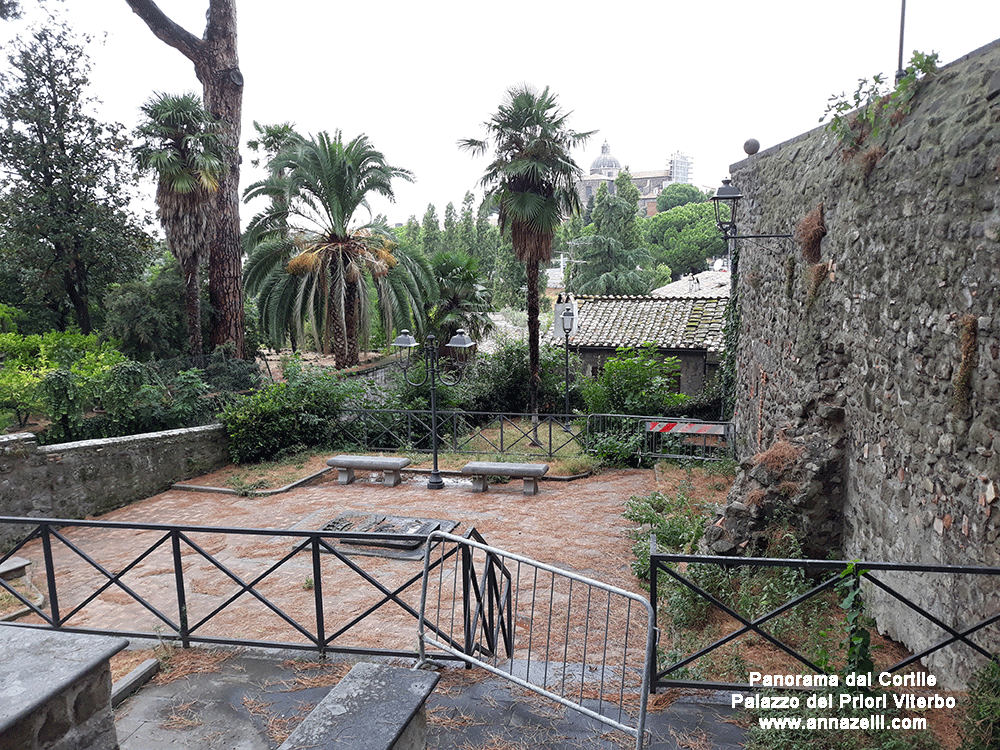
(299, 580)
(831, 572)
(550, 435)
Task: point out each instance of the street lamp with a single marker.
(566, 320)
(433, 372)
(729, 196)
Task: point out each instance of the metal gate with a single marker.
(579, 642)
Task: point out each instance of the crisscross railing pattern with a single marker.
(547, 435)
(833, 571)
(249, 587)
(462, 431)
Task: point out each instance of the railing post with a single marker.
(50, 575)
(318, 597)
(175, 543)
(653, 581)
(467, 589)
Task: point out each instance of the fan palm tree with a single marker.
(307, 259)
(531, 182)
(180, 143)
(461, 301)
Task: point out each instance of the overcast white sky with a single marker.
(653, 78)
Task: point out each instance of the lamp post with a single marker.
(434, 373)
(566, 320)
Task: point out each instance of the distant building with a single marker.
(606, 167)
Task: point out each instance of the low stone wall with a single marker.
(90, 477)
(56, 693)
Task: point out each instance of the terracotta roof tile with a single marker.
(669, 323)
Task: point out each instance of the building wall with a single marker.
(90, 477)
(871, 345)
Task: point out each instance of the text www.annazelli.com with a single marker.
(874, 721)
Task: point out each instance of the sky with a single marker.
(652, 79)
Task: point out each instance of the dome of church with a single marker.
(605, 162)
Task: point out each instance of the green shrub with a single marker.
(500, 380)
(981, 725)
(62, 395)
(636, 381)
(617, 449)
(304, 411)
(264, 425)
(19, 392)
(675, 522)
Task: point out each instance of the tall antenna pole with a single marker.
(902, 23)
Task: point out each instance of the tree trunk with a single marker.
(216, 65)
(351, 350)
(192, 303)
(534, 361)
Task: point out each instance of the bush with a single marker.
(281, 418)
(501, 380)
(674, 521)
(636, 381)
(981, 726)
(148, 317)
(617, 448)
(19, 392)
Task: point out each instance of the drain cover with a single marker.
(365, 523)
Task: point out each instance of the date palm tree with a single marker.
(531, 182)
(311, 262)
(180, 143)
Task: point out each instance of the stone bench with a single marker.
(389, 465)
(13, 567)
(375, 707)
(480, 470)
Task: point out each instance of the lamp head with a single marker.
(405, 343)
(461, 346)
(566, 319)
(728, 195)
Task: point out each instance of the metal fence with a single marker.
(549, 436)
(883, 579)
(661, 437)
(581, 643)
(303, 590)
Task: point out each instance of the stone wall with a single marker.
(888, 348)
(90, 477)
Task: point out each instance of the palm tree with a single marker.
(461, 301)
(531, 183)
(309, 261)
(180, 143)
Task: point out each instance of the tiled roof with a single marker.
(704, 284)
(669, 323)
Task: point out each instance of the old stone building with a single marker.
(606, 167)
(688, 328)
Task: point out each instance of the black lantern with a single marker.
(729, 196)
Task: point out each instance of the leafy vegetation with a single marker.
(635, 381)
(865, 114)
(981, 725)
(676, 523)
(66, 229)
